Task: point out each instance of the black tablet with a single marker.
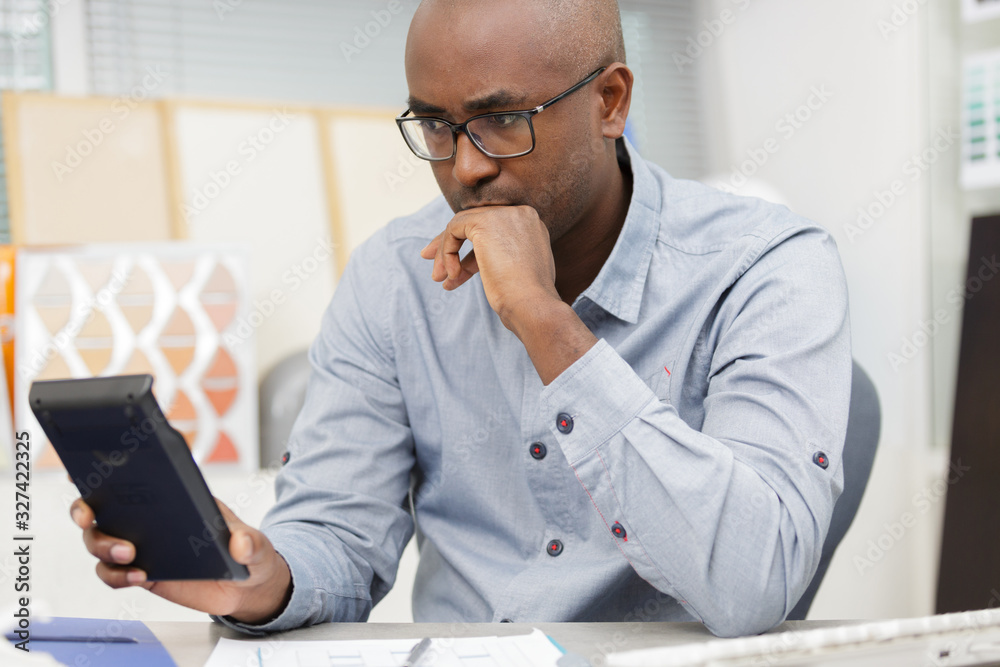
(137, 474)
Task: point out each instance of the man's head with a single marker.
(470, 57)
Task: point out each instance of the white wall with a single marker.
(768, 61)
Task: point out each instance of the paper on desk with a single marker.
(532, 650)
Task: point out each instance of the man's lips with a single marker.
(485, 204)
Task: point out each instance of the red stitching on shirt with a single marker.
(615, 494)
(652, 563)
(631, 564)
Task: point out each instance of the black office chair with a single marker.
(282, 394)
(864, 423)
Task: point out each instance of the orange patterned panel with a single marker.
(53, 301)
(178, 341)
(136, 299)
(221, 382)
(183, 417)
(97, 273)
(224, 451)
(8, 253)
(219, 298)
(95, 343)
(179, 273)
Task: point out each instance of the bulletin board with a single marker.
(375, 175)
(74, 161)
(256, 173)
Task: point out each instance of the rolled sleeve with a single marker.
(340, 520)
(304, 604)
(728, 515)
(597, 415)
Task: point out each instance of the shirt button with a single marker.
(554, 548)
(564, 423)
(820, 459)
(618, 530)
(538, 450)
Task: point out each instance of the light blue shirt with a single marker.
(667, 475)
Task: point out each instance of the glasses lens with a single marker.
(429, 139)
(502, 135)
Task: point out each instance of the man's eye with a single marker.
(506, 120)
(433, 126)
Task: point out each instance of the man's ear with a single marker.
(617, 95)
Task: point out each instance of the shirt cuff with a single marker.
(295, 614)
(600, 393)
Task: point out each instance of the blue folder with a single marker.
(98, 642)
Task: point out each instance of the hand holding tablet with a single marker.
(145, 509)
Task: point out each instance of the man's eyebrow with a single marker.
(421, 107)
(501, 99)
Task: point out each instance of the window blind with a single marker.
(25, 64)
(340, 52)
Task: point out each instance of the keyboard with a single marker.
(945, 640)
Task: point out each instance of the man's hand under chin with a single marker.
(512, 253)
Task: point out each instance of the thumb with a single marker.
(233, 522)
(246, 544)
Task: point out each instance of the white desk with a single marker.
(190, 643)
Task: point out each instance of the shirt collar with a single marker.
(619, 286)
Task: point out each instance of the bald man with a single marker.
(628, 401)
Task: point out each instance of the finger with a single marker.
(431, 248)
(107, 548)
(468, 268)
(469, 263)
(117, 576)
(82, 515)
(440, 272)
(455, 237)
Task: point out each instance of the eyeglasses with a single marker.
(505, 134)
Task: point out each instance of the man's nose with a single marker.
(471, 165)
